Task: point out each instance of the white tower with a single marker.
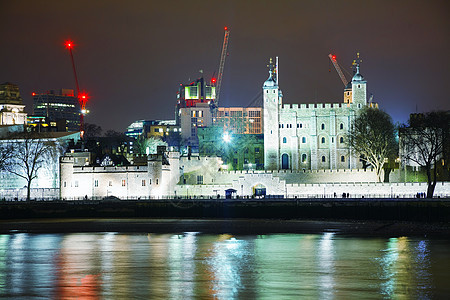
(272, 102)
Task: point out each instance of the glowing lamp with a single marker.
(226, 137)
(33, 94)
(334, 57)
(226, 28)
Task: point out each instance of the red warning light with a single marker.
(33, 94)
(213, 80)
(69, 44)
(333, 57)
(226, 28)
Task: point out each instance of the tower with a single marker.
(359, 89)
(272, 102)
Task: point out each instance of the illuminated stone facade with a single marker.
(310, 136)
(155, 178)
(11, 105)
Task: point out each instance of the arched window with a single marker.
(284, 140)
(342, 158)
(304, 157)
(341, 126)
(303, 140)
(323, 140)
(323, 126)
(341, 140)
(323, 158)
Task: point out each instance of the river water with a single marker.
(220, 266)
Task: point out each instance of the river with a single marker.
(192, 265)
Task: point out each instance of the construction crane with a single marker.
(82, 96)
(218, 81)
(338, 69)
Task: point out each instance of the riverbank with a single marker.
(229, 226)
(422, 210)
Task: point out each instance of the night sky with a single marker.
(131, 56)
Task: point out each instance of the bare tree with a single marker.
(6, 151)
(422, 142)
(30, 154)
(373, 135)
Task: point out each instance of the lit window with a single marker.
(123, 182)
(143, 182)
(304, 157)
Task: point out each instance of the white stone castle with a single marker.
(310, 136)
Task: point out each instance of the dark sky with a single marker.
(131, 56)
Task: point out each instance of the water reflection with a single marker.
(192, 265)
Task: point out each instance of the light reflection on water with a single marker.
(193, 265)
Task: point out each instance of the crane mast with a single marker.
(221, 66)
(338, 69)
(82, 97)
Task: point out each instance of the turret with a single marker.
(359, 89)
(272, 102)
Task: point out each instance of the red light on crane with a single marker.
(33, 94)
(213, 80)
(333, 57)
(226, 28)
(69, 44)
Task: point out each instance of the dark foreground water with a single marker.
(194, 265)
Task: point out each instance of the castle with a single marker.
(310, 136)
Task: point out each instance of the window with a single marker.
(193, 131)
(323, 158)
(256, 149)
(323, 140)
(282, 125)
(304, 157)
(143, 182)
(150, 181)
(76, 183)
(284, 140)
(303, 140)
(96, 183)
(359, 86)
(342, 158)
(199, 179)
(234, 161)
(323, 126)
(341, 139)
(279, 125)
(64, 184)
(341, 126)
(156, 129)
(110, 183)
(156, 181)
(124, 182)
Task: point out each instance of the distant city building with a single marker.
(57, 106)
(193, 109)
(11, 105)
(240, 120)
